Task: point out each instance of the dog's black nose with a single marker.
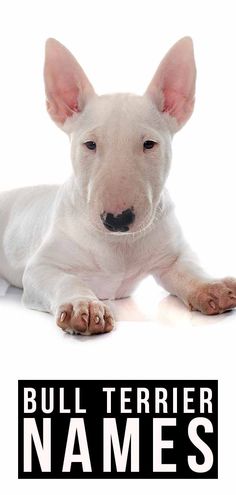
(120, 222)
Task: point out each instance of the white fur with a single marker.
(52, 240)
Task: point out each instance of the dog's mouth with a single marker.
(131, 222)
(134, 230)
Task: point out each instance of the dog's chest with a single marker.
(114, 273)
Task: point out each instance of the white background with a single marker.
(119, 44)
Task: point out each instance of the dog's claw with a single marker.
(97, 319)
(212, 304)
(63, 316)
(84, 317)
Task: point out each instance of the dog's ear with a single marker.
(173, 85)
(66, 85)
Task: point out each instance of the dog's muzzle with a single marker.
(120, 222)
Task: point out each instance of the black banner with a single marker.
(118, 429)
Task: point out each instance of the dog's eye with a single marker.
(148, 145)
(91, 145)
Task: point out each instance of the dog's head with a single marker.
(121, 143)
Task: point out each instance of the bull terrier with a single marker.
(72, 247)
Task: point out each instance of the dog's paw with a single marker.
(85, 318)
(215, 297)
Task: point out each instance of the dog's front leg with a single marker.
(184, 278)
(76, 307)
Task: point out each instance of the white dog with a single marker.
(96, 236)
